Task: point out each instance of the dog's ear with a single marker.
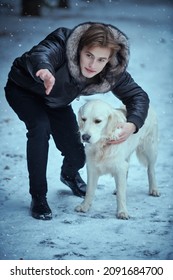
(116, 116)
(111, 124)
(80, 117)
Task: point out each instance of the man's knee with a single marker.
(39, 129)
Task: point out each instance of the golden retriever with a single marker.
(97, 123)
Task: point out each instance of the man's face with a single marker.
(93, 60)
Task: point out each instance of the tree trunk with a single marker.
(31, 7)
(63, 4)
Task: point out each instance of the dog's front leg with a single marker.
(121, 182)
(92, 179)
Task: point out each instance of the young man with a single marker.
(91, 58)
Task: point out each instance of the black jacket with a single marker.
(58, 53)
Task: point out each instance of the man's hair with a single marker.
(98, 35)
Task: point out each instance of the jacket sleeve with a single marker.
(48, 54)
(134, 98)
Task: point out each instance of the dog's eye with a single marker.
(83, 119)
(97, 121)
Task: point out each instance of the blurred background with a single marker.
(42, 7)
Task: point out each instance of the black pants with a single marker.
(40, 122)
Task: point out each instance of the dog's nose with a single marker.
(86, 137)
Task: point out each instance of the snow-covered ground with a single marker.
(96, 235)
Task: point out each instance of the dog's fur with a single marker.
(97, 124)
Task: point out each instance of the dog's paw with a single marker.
(82, 208)
(123, 216)
(154, 192)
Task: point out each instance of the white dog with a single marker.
(97, 123)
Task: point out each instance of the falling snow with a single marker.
(96, 235)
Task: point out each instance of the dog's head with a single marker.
(97, 121)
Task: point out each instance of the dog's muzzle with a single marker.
(86, 137)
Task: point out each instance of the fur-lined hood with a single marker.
(117, 65)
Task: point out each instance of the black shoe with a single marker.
(40, 208)
(76, 184)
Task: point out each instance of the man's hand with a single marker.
(46, 76)
(127, 129)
